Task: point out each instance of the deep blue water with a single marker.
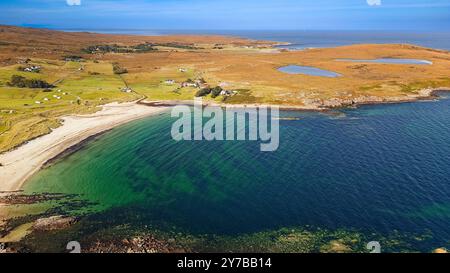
(315, 39)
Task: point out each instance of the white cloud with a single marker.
(73, 2)
(374, 2)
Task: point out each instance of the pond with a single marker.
(389, 61)
(308, 70)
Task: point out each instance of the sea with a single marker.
(304, 39)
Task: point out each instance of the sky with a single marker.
(421, 15)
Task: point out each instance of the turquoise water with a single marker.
(380, 169)
(389, 61)
(308, 70)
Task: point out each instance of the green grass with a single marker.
(79, 92)
(243, 96)
(153, 87)
(419, 85)
(370, 87)
(164, 92)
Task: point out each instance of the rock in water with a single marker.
(53, 223)
(440, 250)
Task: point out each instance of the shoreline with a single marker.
(26, 160)
(319, 106)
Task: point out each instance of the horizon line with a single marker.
(49, 27)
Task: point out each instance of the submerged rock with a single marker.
(336, 246)
(53, 223)
(440, 250)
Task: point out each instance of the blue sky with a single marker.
(229, 14)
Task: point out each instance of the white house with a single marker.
(190, 84)
(33, 68)
(228, 93)
(127, 90)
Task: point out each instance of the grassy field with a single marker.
(22, 118)
(152, 84)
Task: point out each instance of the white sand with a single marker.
(21, 163)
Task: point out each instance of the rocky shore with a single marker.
(53, 223)
(315, 104)
(363, 100)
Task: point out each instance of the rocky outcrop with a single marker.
(316, 103)
(339, 102)
(53, 223)
(16, 198)
(440, 251)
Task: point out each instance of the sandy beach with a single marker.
(23, 162)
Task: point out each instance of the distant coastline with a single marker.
(301, 39)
